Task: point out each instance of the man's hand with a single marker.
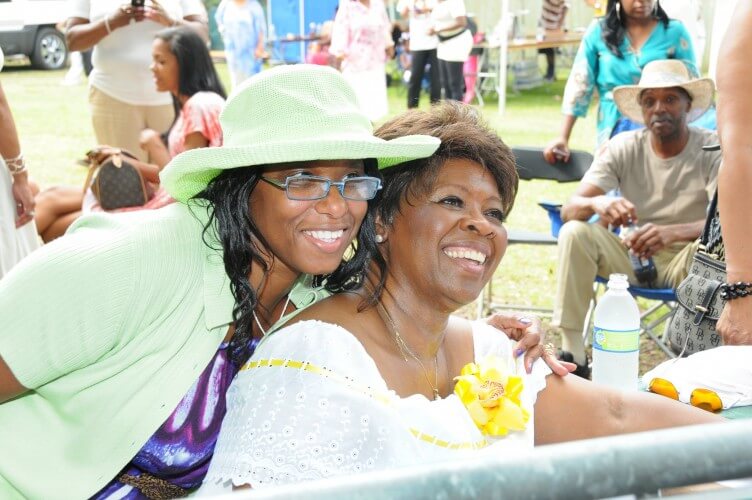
(735, 324)
(615, 211)
(649, 239)
(526, 330)
(557, 150)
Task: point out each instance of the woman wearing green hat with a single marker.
(120, 339)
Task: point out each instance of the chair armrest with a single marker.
(553, 210)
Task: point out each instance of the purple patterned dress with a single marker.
(180, 450)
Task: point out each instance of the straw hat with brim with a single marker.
(663, 74)
(287, 114)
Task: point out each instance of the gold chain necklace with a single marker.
(405, 350)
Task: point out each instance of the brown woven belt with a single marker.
(153, 487)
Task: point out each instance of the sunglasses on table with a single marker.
(310, 187)
(700, 397)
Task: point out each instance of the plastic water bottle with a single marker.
(643, 267)
(616, 336)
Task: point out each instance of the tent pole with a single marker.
(501, 82)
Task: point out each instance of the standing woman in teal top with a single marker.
(613, 52)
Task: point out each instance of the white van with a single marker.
(28, 27)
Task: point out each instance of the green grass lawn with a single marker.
(55, 130)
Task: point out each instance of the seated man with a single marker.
(665, 181)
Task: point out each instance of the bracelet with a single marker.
(730, 291)
(107, 24)
(16, 165)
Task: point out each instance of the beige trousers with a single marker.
(587, 250)
(119, 124)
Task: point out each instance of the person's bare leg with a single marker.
(54, 203)
(58, 228)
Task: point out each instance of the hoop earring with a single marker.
(618, 10)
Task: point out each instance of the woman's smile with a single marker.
(468, 256)
(328, 240)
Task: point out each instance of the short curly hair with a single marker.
(464, 134)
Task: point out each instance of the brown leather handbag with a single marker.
(114, 180)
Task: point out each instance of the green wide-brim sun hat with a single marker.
(289, 114)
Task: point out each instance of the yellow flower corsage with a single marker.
(492, 396)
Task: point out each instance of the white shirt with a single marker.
(312, 404)
(445, 14)
(419, 24)
(121, 59)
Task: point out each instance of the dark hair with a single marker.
(464, 134)
(196, 72)
(228, 195)
(614, 29)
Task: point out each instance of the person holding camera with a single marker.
(122, 96)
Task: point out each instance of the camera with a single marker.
(137, 3)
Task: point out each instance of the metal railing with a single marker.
(638, 464)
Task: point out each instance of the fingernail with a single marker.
(518, 352)
(525, 320)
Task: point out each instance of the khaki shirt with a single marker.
(676, 190)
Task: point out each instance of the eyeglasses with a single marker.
(700, 397)
(309, 187)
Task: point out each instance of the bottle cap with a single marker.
(618, 280)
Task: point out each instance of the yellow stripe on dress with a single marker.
(377, 395)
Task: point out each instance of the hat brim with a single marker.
(627, 98)
(189, 173)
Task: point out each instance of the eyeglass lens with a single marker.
(356, 189)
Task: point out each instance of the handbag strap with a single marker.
(711, 241)
(712, 209)
(94, 166)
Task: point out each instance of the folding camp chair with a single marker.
(664, 300)
(532, 165)
(663, 303)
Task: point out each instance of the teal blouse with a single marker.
(595, 66)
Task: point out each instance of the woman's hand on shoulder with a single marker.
(526, 330)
